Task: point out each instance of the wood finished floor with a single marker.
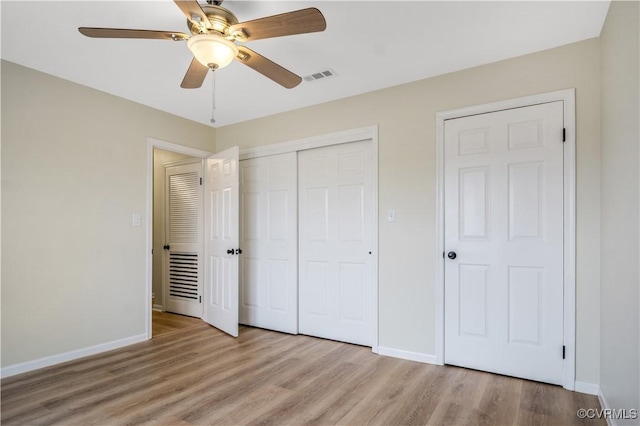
(164, 322)
(197, 375)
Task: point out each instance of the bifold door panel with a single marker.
(336, 193)
(269, 241)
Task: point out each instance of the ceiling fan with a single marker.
(214, 32)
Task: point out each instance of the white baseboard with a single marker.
(158, 308)
(586, 387)
(411, 356)
(12, 370)
(605, 405)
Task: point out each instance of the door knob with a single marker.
(238, 251)
(230, 251)
(451, 255)
(166, 247)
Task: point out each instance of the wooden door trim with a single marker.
(568, 98)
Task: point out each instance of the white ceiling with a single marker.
(369, 44)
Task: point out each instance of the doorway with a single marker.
(159, 153)
(161, 158)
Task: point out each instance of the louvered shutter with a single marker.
(184, 207)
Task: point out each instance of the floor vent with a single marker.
(320, 75)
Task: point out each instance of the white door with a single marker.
(183, 246)
(504, 223)
(336, 210)
(221, 241)
(269, 240)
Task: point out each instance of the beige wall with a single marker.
(620, 322)
(407, 178)
(160, 158)
(74, 170)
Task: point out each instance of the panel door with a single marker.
(269, 240)
(336, 286)
(504, 222)
(183, 246)
(221, 240)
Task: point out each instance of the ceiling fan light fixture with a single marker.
(212, 50)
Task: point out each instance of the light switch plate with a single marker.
(391, 215)
(136, 219)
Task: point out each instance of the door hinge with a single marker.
(564, 351)
(443, 255)
(200, 299)
(200, 181)
(564, 134)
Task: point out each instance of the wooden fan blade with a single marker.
(124, 33)
(195, 75)
(302, 21)
(193, 11)
(268, 68)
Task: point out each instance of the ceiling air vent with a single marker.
(320, 75)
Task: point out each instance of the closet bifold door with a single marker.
(336, 231)
(268, 237)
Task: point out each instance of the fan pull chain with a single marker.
(213, 97)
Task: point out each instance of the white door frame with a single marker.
(353, 135)
(167, 146)
(568, 98)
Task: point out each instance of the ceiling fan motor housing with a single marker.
(219, 17)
